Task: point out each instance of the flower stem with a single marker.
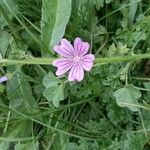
(48, 61)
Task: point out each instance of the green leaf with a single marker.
(28, 39)
(127, 97)
(54, 94)
(2, 22)
(20, 129)
(98, 4)
(55, 16)
(54, 91)
(132, 11)
(147, 85)
(5, 39)
(19, 91)
(108, 1)
(131, 142)
(83, 145)
(115, 113)
(6, 12)
(26, 146)
(134, 142)
(4, 145)
(50, 80)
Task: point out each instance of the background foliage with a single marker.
(108, 110)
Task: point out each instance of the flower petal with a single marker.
(80, 47)
(87, 65)
(87, 62)
(76, 73)
(3, 79)
(63, 65)
(88, 57)
(65, 48)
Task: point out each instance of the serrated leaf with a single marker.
(55, 16)
(115, 113)
(133, 142)
(83, 145)
(127, 97)
(99, 4)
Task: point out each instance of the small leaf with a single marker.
(54, 91)
(132, 11)
(147, 85)
(133, 142)
(127, 97)
(27, 145)
(108, 1)
(54, 94)
(50, 80)
(5, 39)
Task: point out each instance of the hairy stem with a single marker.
(48, 61)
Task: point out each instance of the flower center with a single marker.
(76, 58)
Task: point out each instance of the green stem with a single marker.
(98, 61)
(122, 58)
(28, 61)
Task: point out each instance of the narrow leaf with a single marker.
(132, 11)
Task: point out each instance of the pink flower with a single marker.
(3, 79)
(74, 59)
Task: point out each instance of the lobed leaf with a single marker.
(127, 97)
(54, 89)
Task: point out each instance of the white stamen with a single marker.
(76, 59)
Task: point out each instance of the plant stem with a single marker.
(48, 61)
(122, 58)
(28, 61)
